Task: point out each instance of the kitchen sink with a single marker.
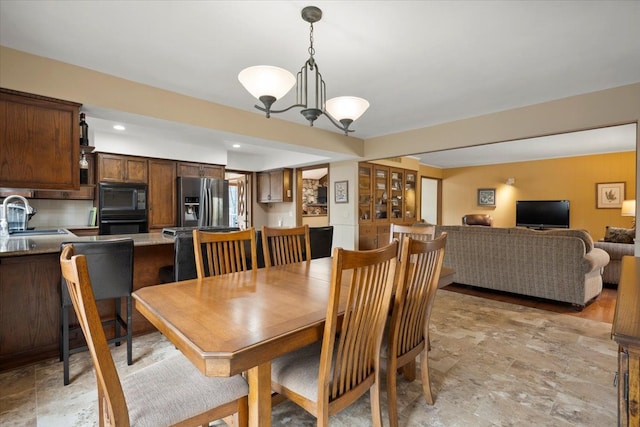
(39, 232)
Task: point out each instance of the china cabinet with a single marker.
(385, 195)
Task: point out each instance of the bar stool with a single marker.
(110, 264)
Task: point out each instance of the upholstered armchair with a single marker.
(477, 219)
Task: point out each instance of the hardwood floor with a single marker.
(601, 309)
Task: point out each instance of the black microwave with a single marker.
(122, 199)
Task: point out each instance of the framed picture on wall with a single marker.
(341, 193)
(609, 195)
(486, 196)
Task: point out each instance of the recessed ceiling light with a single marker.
(236, 145)
(118, 127)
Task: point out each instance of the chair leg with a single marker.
(65, 345)
(409, 371)
(118, 316)
(424, 373)
(129, 330)
(60, 341)
(376, 411)
(392, 394)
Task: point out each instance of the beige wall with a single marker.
(572, 178)
(614, 106)
(35, 74)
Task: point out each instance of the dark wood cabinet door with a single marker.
(135, 169)
(264, 187)
(162, 194)
(39, 140)
(213, 171)
(200, 170)
(188, 170)
(120, 168)
(276, 186)
(110, 168)
(29, 308)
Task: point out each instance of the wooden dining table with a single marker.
(239, 322)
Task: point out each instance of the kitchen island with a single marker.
(30, 292)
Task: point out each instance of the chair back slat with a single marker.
(224, 252)
(110, 395)
(354, 352)
(418, 232)
(283, 246)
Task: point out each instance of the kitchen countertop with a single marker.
(48, 244)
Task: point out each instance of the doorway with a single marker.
(312, 187)
(239, 198)
(430, 200)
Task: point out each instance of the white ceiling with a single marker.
(419, 63)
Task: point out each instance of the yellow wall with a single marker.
(572, 178)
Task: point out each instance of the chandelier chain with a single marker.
(312, 51)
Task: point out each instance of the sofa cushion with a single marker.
(619, 235)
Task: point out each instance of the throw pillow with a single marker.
(619, 235)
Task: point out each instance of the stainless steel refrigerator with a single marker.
(203, 202)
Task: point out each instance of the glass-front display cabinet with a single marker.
(365, 200)
(397, 199)
(381, 191)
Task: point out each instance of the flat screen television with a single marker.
(542, 214)
(322, 195)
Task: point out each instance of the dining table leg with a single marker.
(259, 378)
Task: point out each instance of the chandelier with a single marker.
(268, 84)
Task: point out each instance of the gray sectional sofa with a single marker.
(560, 265)
(616, 251)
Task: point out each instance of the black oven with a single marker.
(123, 208)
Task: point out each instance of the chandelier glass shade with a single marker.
(268, 84)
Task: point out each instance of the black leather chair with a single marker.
(110, 264)
(321, 241)
(184, 259)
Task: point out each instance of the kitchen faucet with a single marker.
(4, 225)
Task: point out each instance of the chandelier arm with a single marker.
(279, 111)
(339, 125)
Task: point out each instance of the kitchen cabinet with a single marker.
(30, 304)
(385, 195)
(121, 168)
(39, 137)
(275, 186)
(29, 308)
(200, 170)
(86, 191)
(162, 194)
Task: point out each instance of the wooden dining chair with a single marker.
(409, 327)
(419, 232)
(285, 245)
(169, 392)
(327, 376)
(225, 252)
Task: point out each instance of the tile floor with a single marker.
(492, 364)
